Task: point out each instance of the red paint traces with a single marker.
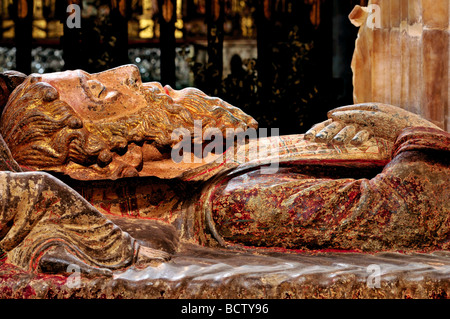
(28, 292)
(166, 90)
(205, 172)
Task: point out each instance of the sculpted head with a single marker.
(55, 119)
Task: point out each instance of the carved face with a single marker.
(106, 125)
(96, 97)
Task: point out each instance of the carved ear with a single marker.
(9, 80)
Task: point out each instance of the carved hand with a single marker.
(356, 124)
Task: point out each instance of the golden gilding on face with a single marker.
(103, 122)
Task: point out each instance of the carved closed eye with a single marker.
(96, 88)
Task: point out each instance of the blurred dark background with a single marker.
(285, 62)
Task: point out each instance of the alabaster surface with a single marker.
(402, 56)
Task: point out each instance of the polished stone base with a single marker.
(198, 272)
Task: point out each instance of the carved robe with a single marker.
(404, 207)
(397, 201)
(39, 213)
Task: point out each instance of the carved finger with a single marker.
(360, 117)
(326, 134)
(370, 107)
(360, 138)
(382, 124)
(310, 135)
(345, 135)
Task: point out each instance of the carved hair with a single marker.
(43, 131)
(9, 80)
(40, 129)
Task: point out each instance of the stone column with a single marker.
(402, 56)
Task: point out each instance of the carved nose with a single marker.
(253, 123)
(121, 74)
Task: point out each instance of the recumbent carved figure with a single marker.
(372, 177)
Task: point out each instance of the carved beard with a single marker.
(162, 115)
(44, 132)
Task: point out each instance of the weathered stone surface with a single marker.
(367, 187)
(402, 56)
(196, 272)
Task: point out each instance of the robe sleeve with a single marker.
(404, 207)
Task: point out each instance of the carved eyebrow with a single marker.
(83, 83)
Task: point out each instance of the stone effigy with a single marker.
(371, 178)
(96, 176)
